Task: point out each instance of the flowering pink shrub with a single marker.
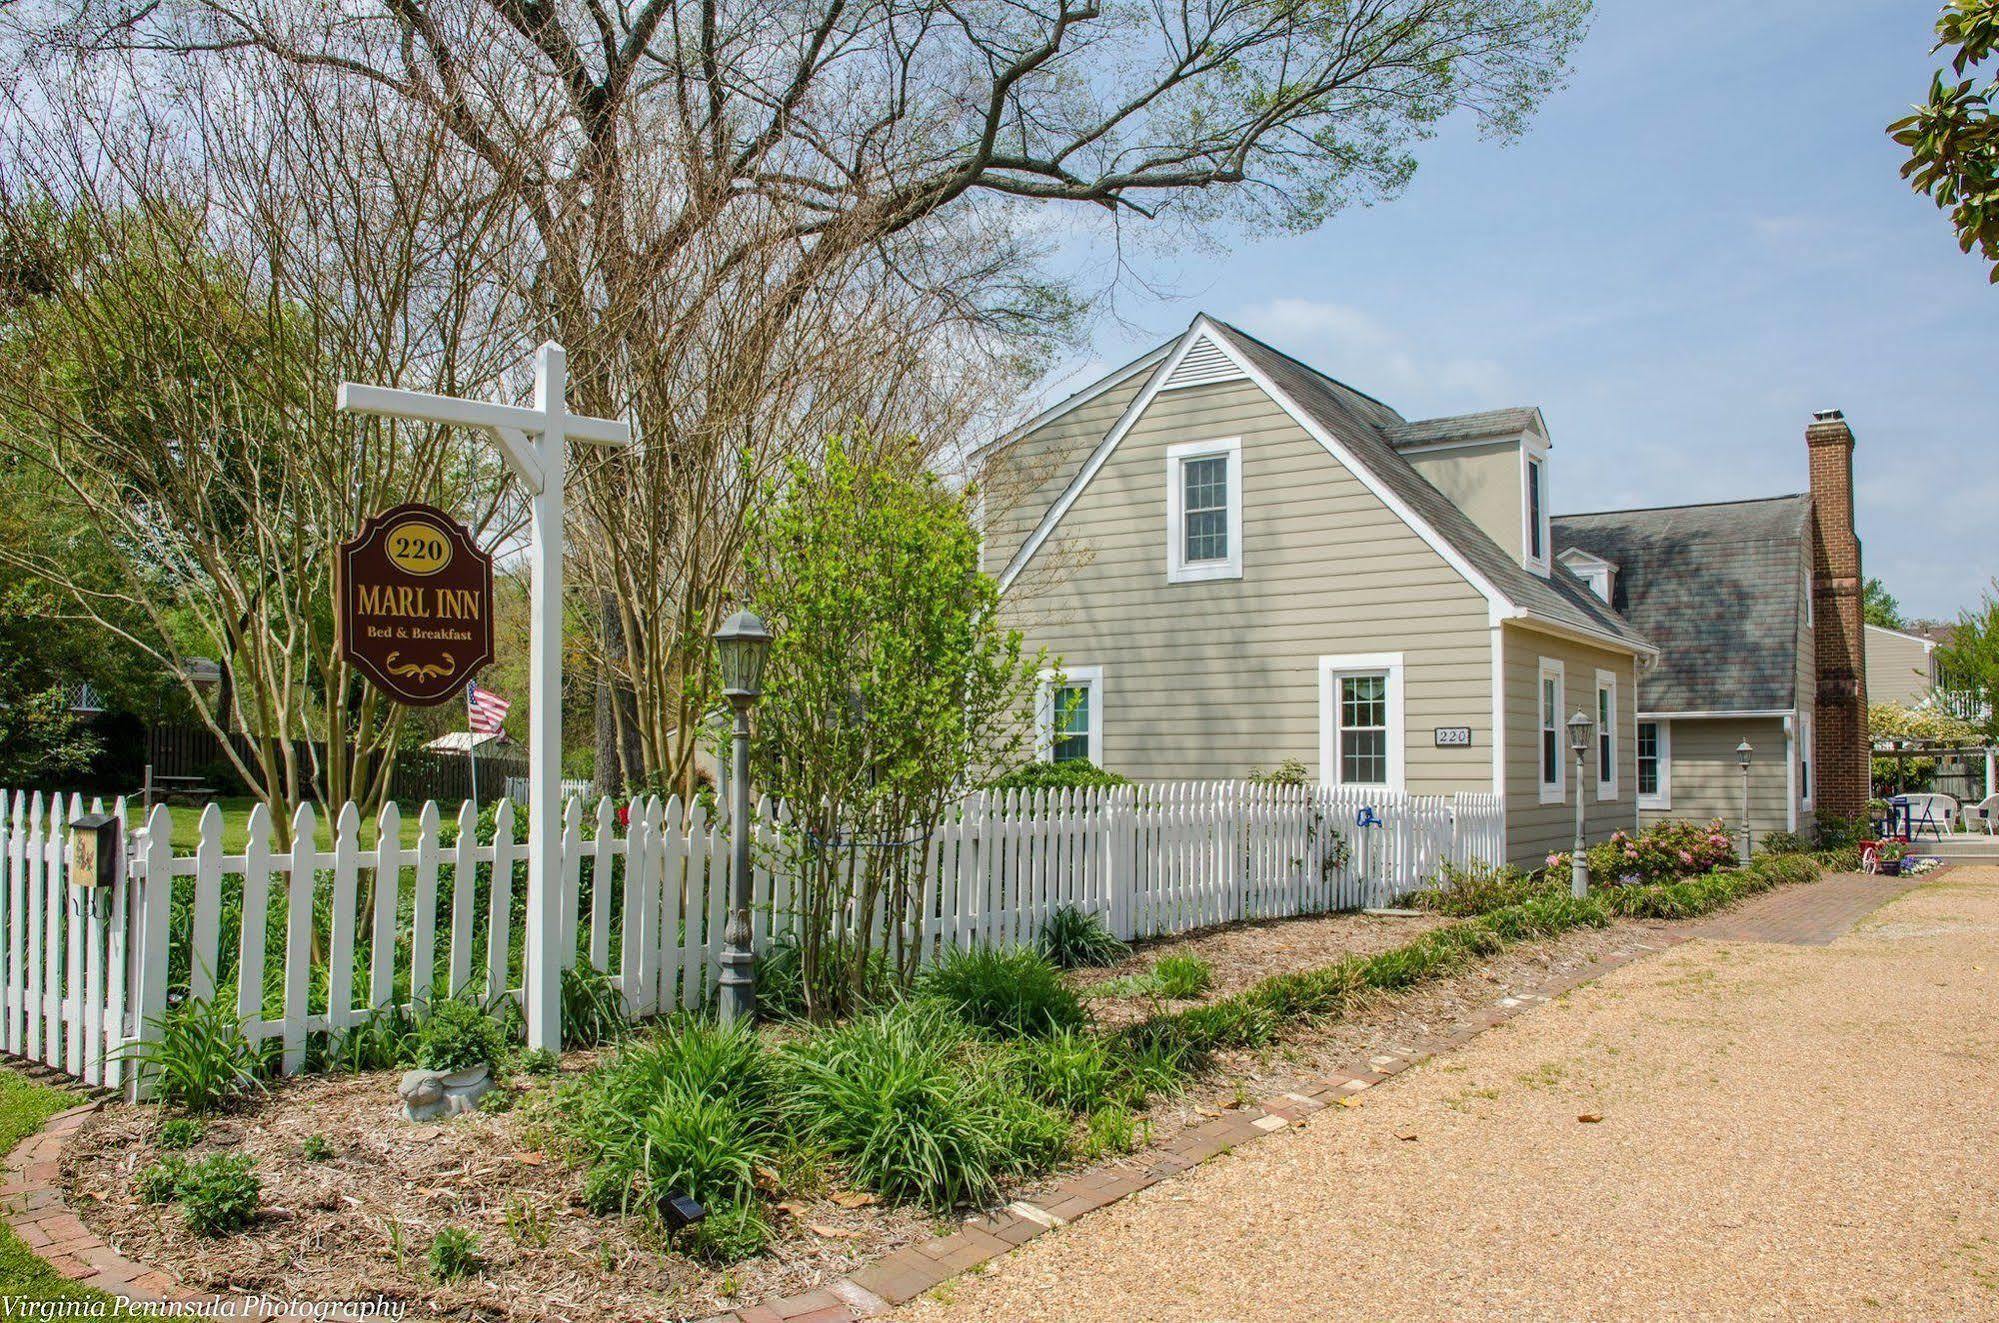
(1664, 852)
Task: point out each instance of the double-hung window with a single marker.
(1204, 510)
(1552, 780)
(1606, 735)
(1654, 765)
(1360, 720)
(1072, 719)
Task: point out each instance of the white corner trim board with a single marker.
(1331, 668)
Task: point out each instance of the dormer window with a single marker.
(1595, 571)
(1204, 510)
(1534, 512)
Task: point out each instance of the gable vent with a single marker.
(1203, 365)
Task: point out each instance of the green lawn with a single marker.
(236, 827)
(24, 1106)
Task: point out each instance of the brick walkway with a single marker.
(1806, 916)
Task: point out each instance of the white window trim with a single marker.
(1664, 798)
(1530, 455)
(1177, 569)
(1090, 677)
(1606, 787)
(1331, 669)
(1558, 791)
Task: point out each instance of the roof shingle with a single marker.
(1718, 588)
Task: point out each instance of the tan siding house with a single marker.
(1236, 561)
(1900, 668)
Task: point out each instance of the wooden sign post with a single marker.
(535, 443)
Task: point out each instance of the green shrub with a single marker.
(1070, 774)
(1476, 889)
(728, 1234)
(456, 1033)
(315, 1148)
(703, 1145)
(1182, 976)
(1069, 1069)
(1009, 990)
(219, 1194)
(781, 980)
(159, 1183)
(1073, 939)
(534, 1061)
(1236, 1022)
(901, 1099)
(453, 1254)
(1783, 842)
(200, 1058)
(1836, 832)
(614, 1114)
(182, 1132)
(1110, 1132)
(1663, 852)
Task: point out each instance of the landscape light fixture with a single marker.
(742, 645)
(1581, 725)
(1743, 753)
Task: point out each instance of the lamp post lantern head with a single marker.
(742, 644)
(1580, 726)
(1742, 754)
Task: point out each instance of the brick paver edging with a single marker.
(31, 1197)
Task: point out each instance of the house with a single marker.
(1239, 560)
(1901, 667)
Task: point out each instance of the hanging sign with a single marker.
(414, 598)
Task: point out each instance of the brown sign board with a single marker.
(414, 602)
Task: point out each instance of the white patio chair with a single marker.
(1983, 814)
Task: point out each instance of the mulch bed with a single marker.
(358, 1223)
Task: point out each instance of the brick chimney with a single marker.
(1840, 755)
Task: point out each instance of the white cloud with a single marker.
(1419, 379)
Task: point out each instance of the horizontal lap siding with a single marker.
(1533, 828)
(1707, 778)
(1898, 669)
(1024, 479)
(1218, 679)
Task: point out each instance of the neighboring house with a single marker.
(1901, 667)
(1724, 591)
(1239, 560)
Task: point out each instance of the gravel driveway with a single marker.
(1785, 1132)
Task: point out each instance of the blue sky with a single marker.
(1700, 240)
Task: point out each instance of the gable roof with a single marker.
(1718, 588)
(1363, 424)
(1468, 427)
(1354, 428)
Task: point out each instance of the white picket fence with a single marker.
(311, 941)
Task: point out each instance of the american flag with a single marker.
(485, 709)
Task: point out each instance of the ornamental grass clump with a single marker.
(1011, 990)
(916, 1108)
(200, 1058)
(1476, 888)
(688, 1109)
(1075, 939)
(1071, 1069)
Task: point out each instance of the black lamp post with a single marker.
(1580, 726)
(741, 645)
(1743, 752)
